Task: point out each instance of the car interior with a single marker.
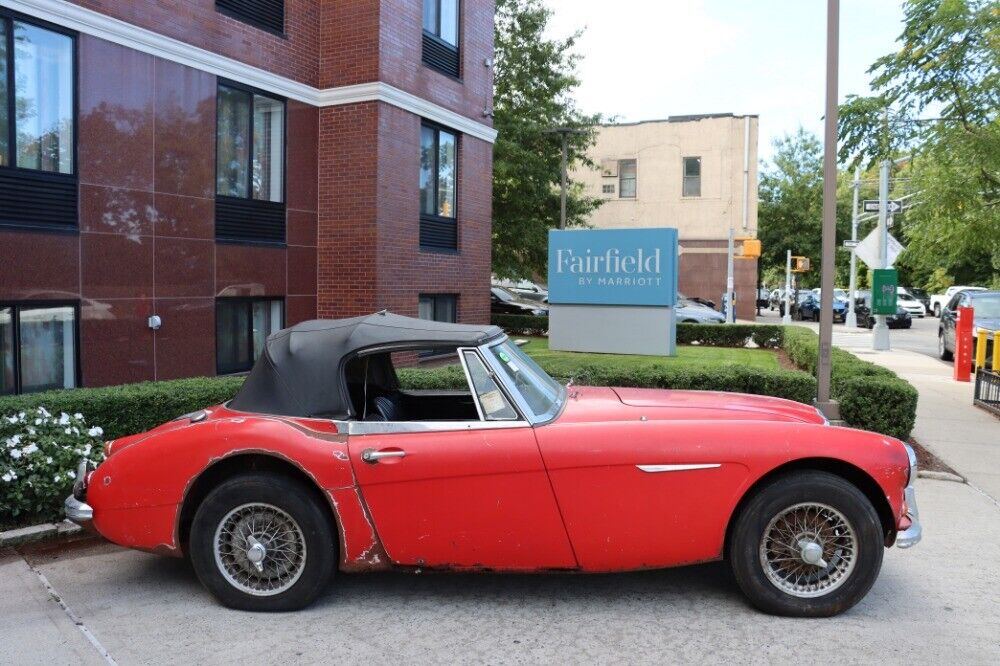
(375, 392)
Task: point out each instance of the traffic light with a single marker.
(751, 249)
(800, 265)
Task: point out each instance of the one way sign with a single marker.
(892, 206)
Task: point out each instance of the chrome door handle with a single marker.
(371, 456)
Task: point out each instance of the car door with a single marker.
(462, 494)
(948, 318)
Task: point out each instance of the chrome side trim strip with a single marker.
(397, 427)
(653, 469)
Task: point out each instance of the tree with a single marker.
(533, 91)
(947, 67)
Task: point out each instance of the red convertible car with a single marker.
(323, 463)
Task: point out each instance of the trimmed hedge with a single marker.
(767, 336)
(871, 397)
(521, 324)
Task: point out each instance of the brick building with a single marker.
(178, 178)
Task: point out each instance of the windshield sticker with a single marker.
(493, 402)
(504, 357)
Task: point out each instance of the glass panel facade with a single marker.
(431, 16)
(268, 148)
(43, 91)
(449, 21)
(8, 378)
(438, 172)
(626, 179)
(446, 174)
(427, 171)
(241, 328)
(47, 348)
(233, 143)
(692, 176)
(4, 99)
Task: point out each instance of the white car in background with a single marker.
(908, 302)
(939, 301)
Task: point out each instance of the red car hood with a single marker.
(589, 403)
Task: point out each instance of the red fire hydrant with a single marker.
(963, 344)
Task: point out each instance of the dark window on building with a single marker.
(608, 189)
(37, 347)
(241, 327)
(439, 307)
(626, 179)
(438, 188)
(266, 14)
(441, 36)
(692, 176)
(38, 185)
(250, 166)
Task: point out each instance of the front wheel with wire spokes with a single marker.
(263, 542)
(808, 544)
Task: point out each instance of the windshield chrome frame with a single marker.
(500, 375)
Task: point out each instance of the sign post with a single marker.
(884, 292)
(613, 290)
(963, 344)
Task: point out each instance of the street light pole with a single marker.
(787, 317)
(880, 333)
(852, 316)
(823, 370)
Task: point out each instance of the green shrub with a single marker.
(39, 453)
(126, 410)
(871, 397)
(731, 335)
(521, 324)
(450, 377)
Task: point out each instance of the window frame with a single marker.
(427, 217)
(30, 177)
(248, 301)
(16, 307)
(634, 179)
(434, 297)
(685, 176)
(453, 49)
(243, 18)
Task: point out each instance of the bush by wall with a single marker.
(521, 324)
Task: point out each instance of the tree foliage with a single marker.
(938, 98)
(535, 79)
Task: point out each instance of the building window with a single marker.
(441, 30)
(37, 125)
(37, 348)
(241, 328)
(438, 188)
(626, 179)
(692, 176)
(266, 14)
(250, 166)
(608, 189)
(439, 307)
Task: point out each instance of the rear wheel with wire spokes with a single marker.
(808, 544)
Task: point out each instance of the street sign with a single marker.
(884, 284)
(851, 243)
(891, 206)
(867, 250)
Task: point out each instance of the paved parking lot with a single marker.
(931, 604)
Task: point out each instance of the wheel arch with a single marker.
(845, 470)
(241, 463)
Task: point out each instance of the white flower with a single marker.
(71, 474)
(31, 431)
(57, 478)
(15, 453)
(38, 422)
(29, 449)
(95, 432)
(8, 476)
(44, 412)
(63, 418)
(69, 431)
(86, 450)
(78, 416)
(48, 461)
(12, 419)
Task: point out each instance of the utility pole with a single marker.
(564, 132)
(880, 334)
(852, 316)
(787, 317)
(824, 368)
(731, 279)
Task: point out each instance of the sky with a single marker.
(649, 59)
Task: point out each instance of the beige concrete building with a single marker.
(695, 173)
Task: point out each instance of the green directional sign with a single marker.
(884, 286)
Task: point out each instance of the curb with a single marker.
(939, 476)
(34, 533)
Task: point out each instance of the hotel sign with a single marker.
(613, 267)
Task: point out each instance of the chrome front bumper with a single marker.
(911, 536)
(79, 512)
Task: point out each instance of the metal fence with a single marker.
(988, 390)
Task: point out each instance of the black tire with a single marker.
(289, 496)
(775, 498)
(937, 311)
(943, 352)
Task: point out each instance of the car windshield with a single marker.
(503, 294)
(540, 392)
(987, 307)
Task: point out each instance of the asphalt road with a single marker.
(931, 604)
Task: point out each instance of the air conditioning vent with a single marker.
(37, 199)
(249, 220)
(440, 55)
(266, 14)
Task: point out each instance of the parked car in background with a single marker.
(697, 299)
(763, 298)
(905, 300)
(809, 308)
(986, 317)
(525, 289)
(939, 301)
(796, 298)
(692, 312)
(503, 301)
(922, 296)
(323, 465)
(866, 319)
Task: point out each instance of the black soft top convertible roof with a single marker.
(300, 372)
